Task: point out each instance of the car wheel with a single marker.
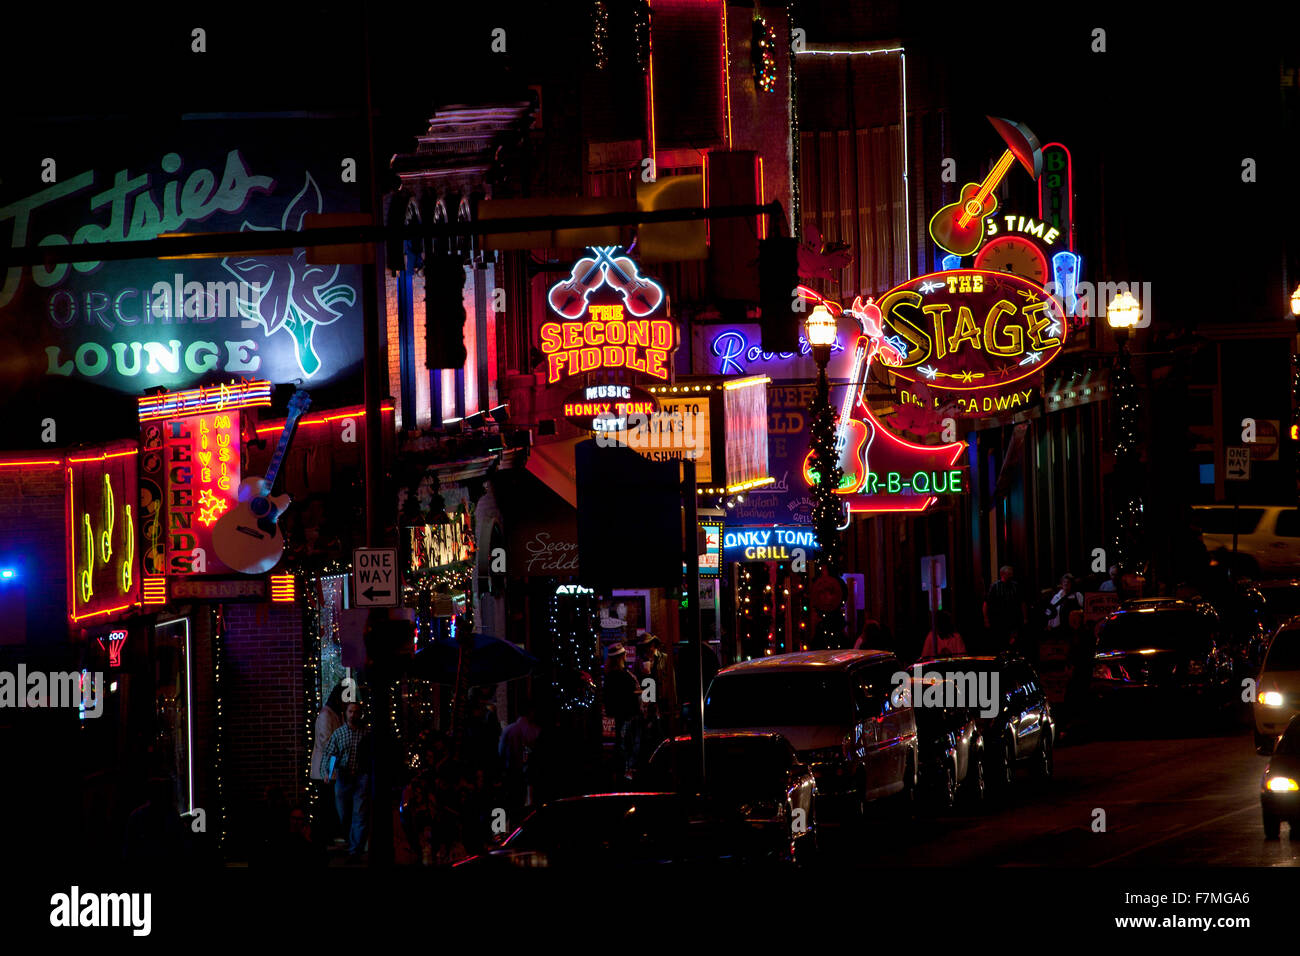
(1272, 826)
(945, 796)
(1045, 763)
(975, 781)
(1006, 767)
(1263, 744)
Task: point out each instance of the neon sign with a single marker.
(101, 534)
(979, 330)
(603, 290)
(606, 408)
(767, 544)
(201, 460)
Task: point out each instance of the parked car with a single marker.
(1243, 613)
(1279, 790)
(616, 830)
(1281, 601)
(951, 747)
(1268, 536)
(841, 710)
(1022, 730)
(1165, 653)
(758, 774)
(1277, 691)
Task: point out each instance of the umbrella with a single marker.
(492, 661)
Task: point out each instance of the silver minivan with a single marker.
(842, 710)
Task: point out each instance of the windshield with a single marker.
(1165, 630)
(778, 700)
(1284, 654)
(729, 764)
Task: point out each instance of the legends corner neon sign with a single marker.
(602, 291)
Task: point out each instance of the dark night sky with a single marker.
(1171, 108)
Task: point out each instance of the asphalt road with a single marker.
(1168, 801)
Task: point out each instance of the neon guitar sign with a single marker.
(883, 472)
(609, 310)
(958, 228)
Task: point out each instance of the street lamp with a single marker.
(1295, 301)
(1122, 314)
(820, 329)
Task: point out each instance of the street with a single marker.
(1186, 802)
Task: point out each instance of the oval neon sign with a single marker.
(970, 329)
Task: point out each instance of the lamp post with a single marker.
(820, 328)
(1123, 314)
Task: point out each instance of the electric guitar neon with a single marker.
(247, 537)
(851, 434)
(958, 228)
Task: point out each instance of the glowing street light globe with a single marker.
(820, 327)
(1295, 301)
(1123, 311)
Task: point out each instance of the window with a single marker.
(1288, 523)
(782, 699)
(1220, 520)
(1284, 653)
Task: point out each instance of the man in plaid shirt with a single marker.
(347, 764)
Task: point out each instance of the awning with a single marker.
(1070, 391)
(554, 464)
(540, 527)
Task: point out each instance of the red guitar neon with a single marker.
(958, 227)
(853, 436)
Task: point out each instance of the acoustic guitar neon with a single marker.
(958, 227)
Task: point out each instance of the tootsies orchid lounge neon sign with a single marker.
(133, 324)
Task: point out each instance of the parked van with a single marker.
(1268, 536)
(846, 716)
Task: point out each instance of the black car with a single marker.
(1010, 708)
(1279, 791)
(617, 830)
(952, 746)
(758, 774)
(1166, 654)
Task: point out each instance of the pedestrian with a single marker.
(482, 732)
(328, 720)
(347, 762)
(943, 641)
(515, 748)
(1112, 583)
(874, 637)
(1004, 610)
(156, 837)
(1066, 599)
(657, 665)
(622, 702)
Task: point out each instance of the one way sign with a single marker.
(374, 577)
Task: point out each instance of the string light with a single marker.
(764, 56)
(599, 35)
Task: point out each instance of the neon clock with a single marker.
(1015, 255)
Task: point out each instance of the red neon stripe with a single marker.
(103, 457)
(111, 610)
(337, 416)
(31, 461)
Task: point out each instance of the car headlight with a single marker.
(1271, 698)
(1282, 785)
